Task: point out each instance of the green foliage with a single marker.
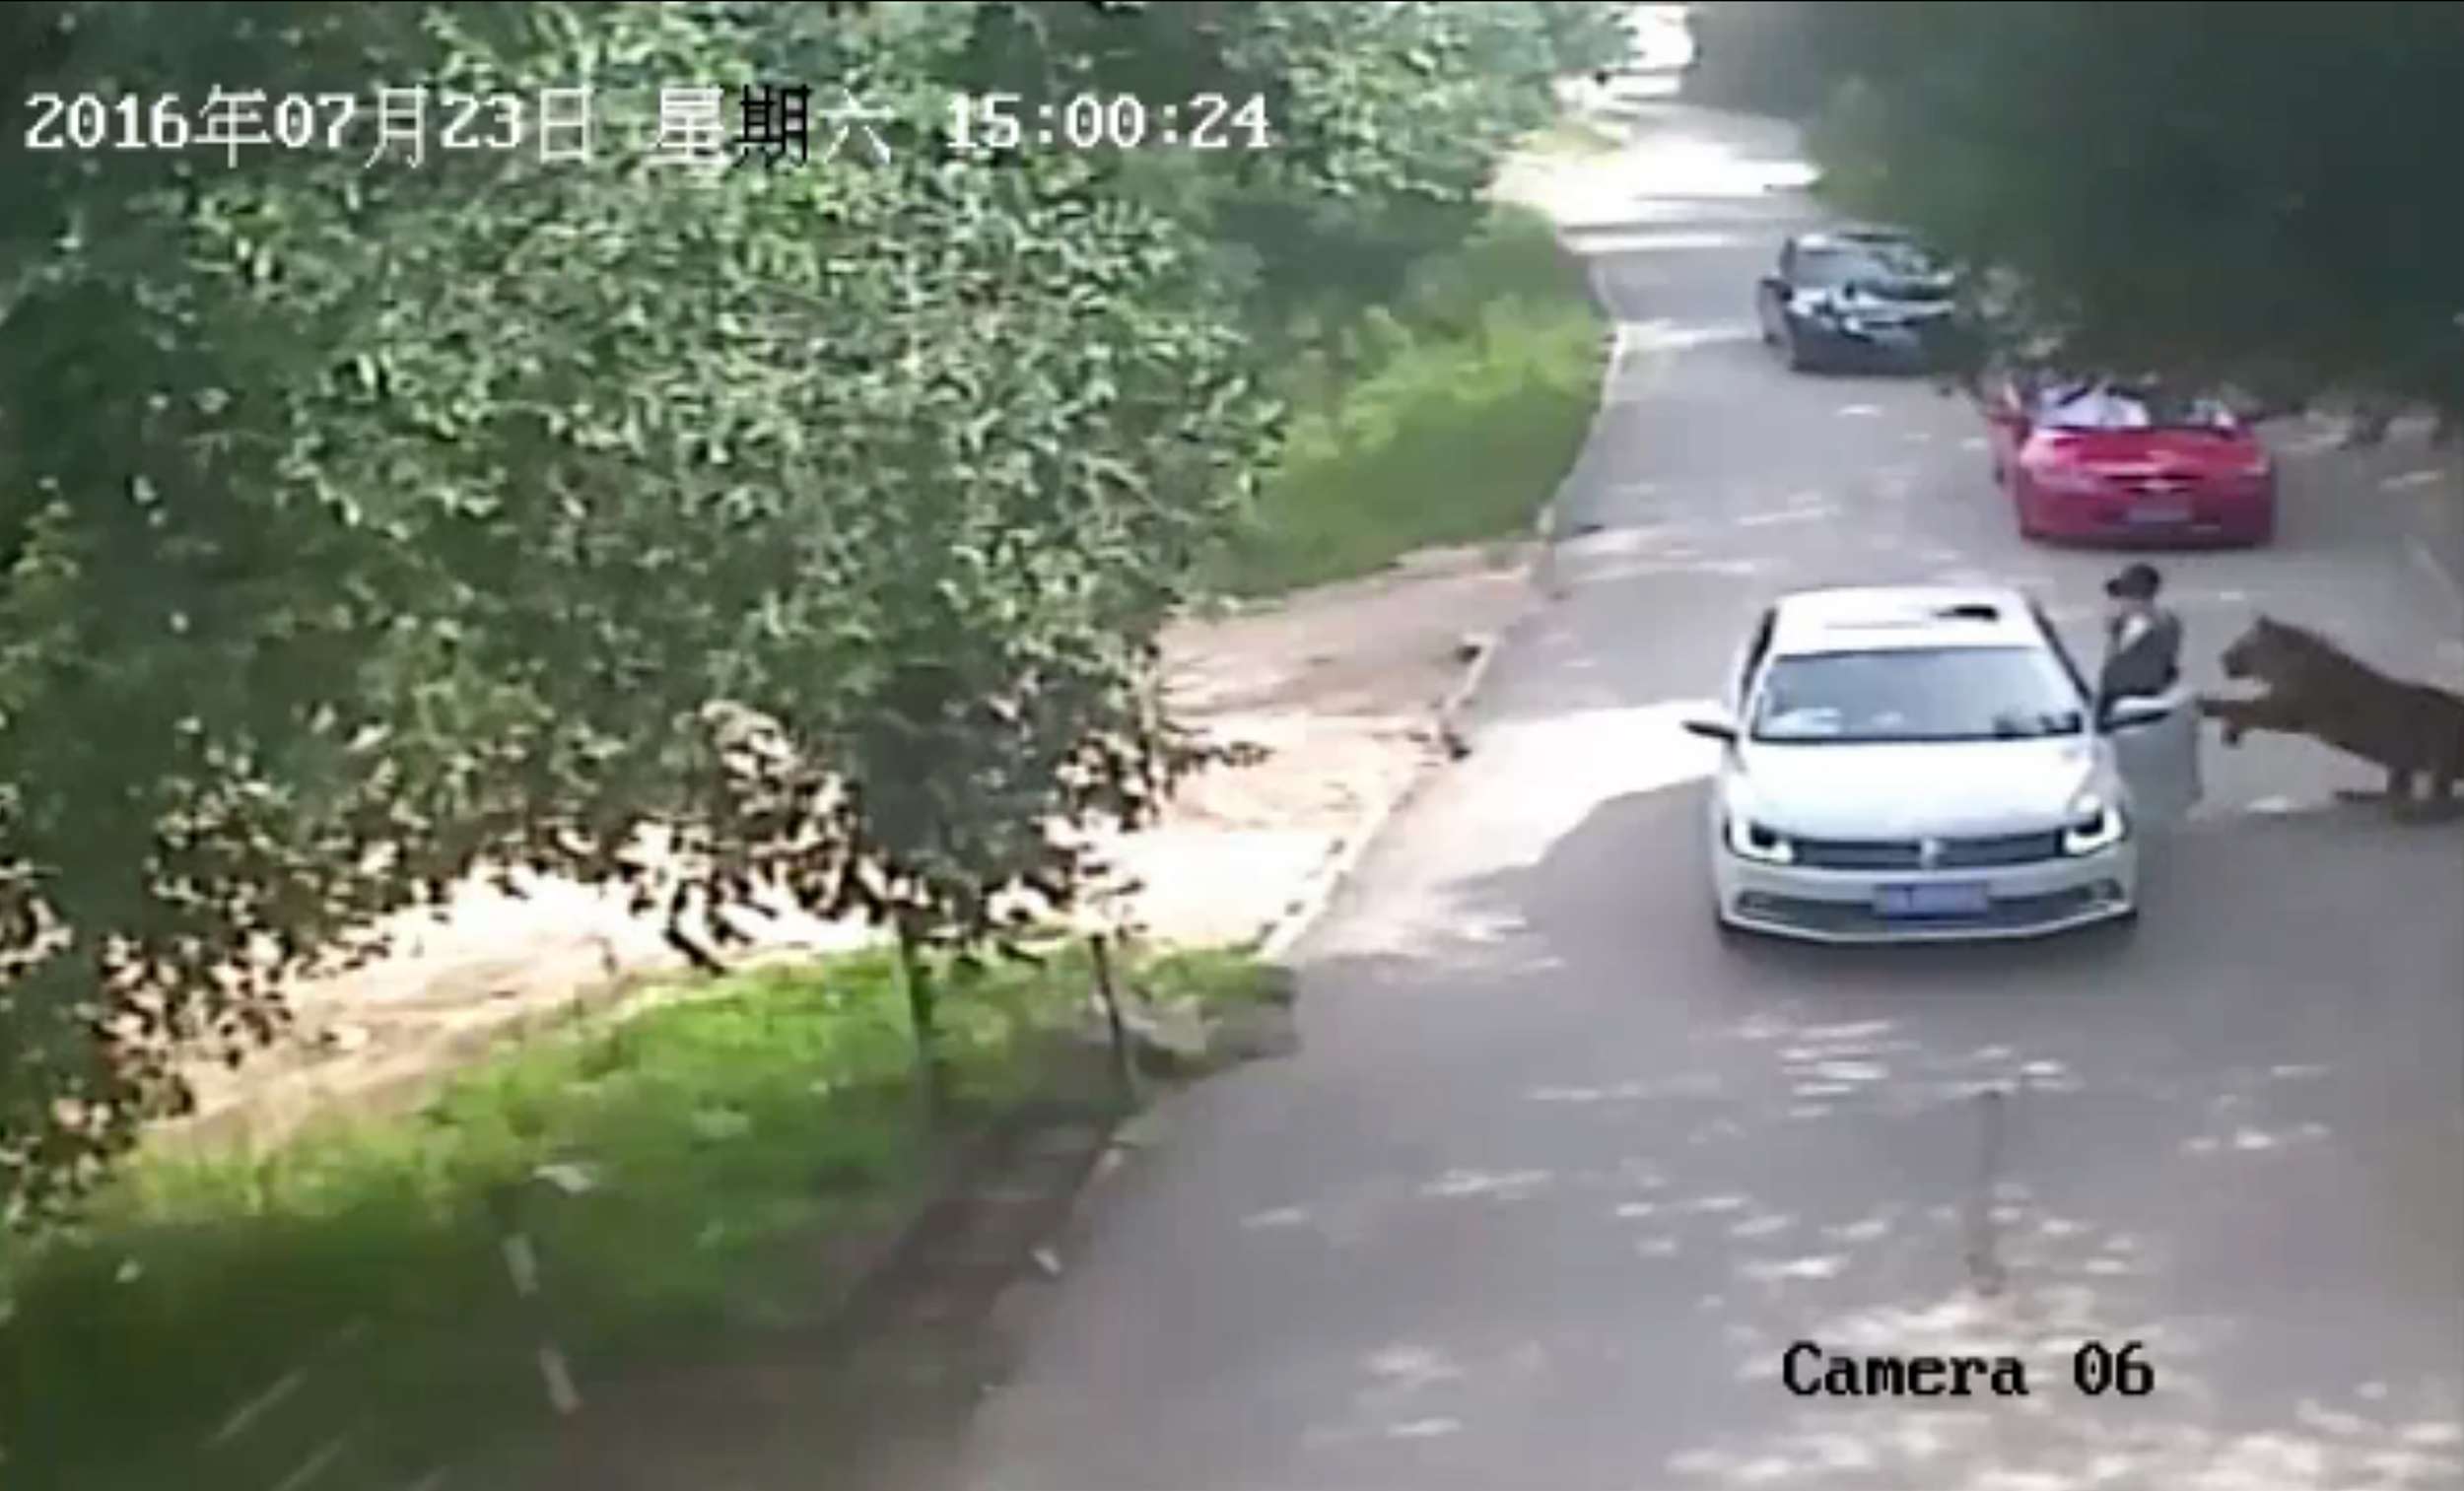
(722, 1134)
(1215, 978)
(1782, 58)
(1458, 412)
(1366, 101)
(1577, 137)
(2235, 192)
(1386, 121)
(363, 526)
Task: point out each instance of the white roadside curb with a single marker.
(1302, 911)
(1301, 914)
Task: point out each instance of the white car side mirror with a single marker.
(1711, 727)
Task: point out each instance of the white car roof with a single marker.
(1869, 619)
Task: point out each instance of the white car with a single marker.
(1924, 763)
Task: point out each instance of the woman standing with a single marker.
(2142, 641)
(2142, 660)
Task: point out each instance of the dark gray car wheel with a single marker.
(1793, 348)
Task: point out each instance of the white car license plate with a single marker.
(2164, 513)
(1954, 898)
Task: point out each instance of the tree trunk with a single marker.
(931, 1076)
(1125, 1066)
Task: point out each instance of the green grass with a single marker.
(1445, 418)
(733, 1134)
(1576, 137)
(1215, 978)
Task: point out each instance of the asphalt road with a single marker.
(1556, 1177)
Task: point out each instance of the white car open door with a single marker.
(2159, 761)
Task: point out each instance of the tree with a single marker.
(194, 626)
(2230, 192)
(788, 533)
(368, 529)
(1748, 55)
(1386, 121)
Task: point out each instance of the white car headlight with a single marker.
(2094, 825)
(1748, 840)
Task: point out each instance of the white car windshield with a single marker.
(1917, 694)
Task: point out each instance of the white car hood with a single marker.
(1908, 791)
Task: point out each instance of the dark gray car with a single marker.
(1858, 299)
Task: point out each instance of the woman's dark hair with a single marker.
(2138, 581)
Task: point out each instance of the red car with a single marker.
(2096, 461)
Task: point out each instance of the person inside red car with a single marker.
(2126, 404)
(2095, 405)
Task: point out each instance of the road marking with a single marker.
(257, 1407)
(1607, 240)
(1670, 336)
(316, 1465)
(1784, 515)
(1425, 1428)
(2275, 805)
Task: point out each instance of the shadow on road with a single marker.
(2229, 1139)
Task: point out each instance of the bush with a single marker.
(732, 1135)
(1470, 396)
(726, 1132)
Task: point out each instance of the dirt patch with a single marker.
(1340, 686)
(1337, 684)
